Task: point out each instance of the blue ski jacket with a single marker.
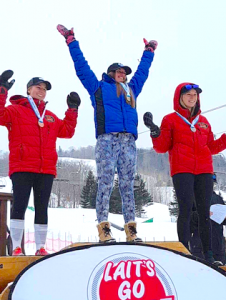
(112, 113)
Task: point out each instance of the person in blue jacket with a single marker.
(114, 103)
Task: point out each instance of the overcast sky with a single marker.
(192, 47)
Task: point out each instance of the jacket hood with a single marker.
(177, 106)
(22, 100)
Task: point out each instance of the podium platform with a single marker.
(11, 266)
(167, 257)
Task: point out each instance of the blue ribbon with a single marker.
(35, 109)
(126, 88)
(192, 125)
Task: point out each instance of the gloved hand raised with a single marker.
(4, 79)
(68, 34)
(73, 100)
(150, 46)
(148, 121)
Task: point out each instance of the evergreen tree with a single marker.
(174, 208)
(89, 192)
(93, 194)
(115, 200)
(60, 152)
(141, 195)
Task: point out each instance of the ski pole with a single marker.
(212, 109)
(117, 226)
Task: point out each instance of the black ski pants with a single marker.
(192, 188)
(23, 182)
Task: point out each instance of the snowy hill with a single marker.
(80, 162)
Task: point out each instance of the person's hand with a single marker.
(73, 100)
(150, 46)
(148, 121)
(68, 34)
(4, 79)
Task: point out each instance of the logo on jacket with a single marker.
(49, 118)
(130, 276)
(203, 125)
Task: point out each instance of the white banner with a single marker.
(119, 272)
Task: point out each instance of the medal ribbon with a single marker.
(192, 125)
(35, 109)
(126, 89)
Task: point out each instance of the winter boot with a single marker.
(210, 259)
(105, 235)
(131, 232)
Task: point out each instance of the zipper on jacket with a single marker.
(194, 139)
(41, 153)
(123, 111)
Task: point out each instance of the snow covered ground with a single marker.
(68, 226)
(79, 225)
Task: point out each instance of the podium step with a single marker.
(11, 266)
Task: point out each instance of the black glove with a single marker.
(148, 121)
(4, 79)
(73, 100)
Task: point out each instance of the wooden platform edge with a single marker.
(11, 266)
(5, 294)
(177, 246)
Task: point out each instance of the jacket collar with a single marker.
(107, 78)
(21, 100)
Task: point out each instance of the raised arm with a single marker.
(5, 85)
(68, 124)
(83, 70)
(141, 74)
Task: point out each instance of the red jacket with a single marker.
(189, 152)
(32, 148)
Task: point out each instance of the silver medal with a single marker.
(41, 124)
(193, 129)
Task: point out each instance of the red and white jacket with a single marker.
(33, 148)
(189, 152)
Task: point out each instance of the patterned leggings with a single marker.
(115, 151)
